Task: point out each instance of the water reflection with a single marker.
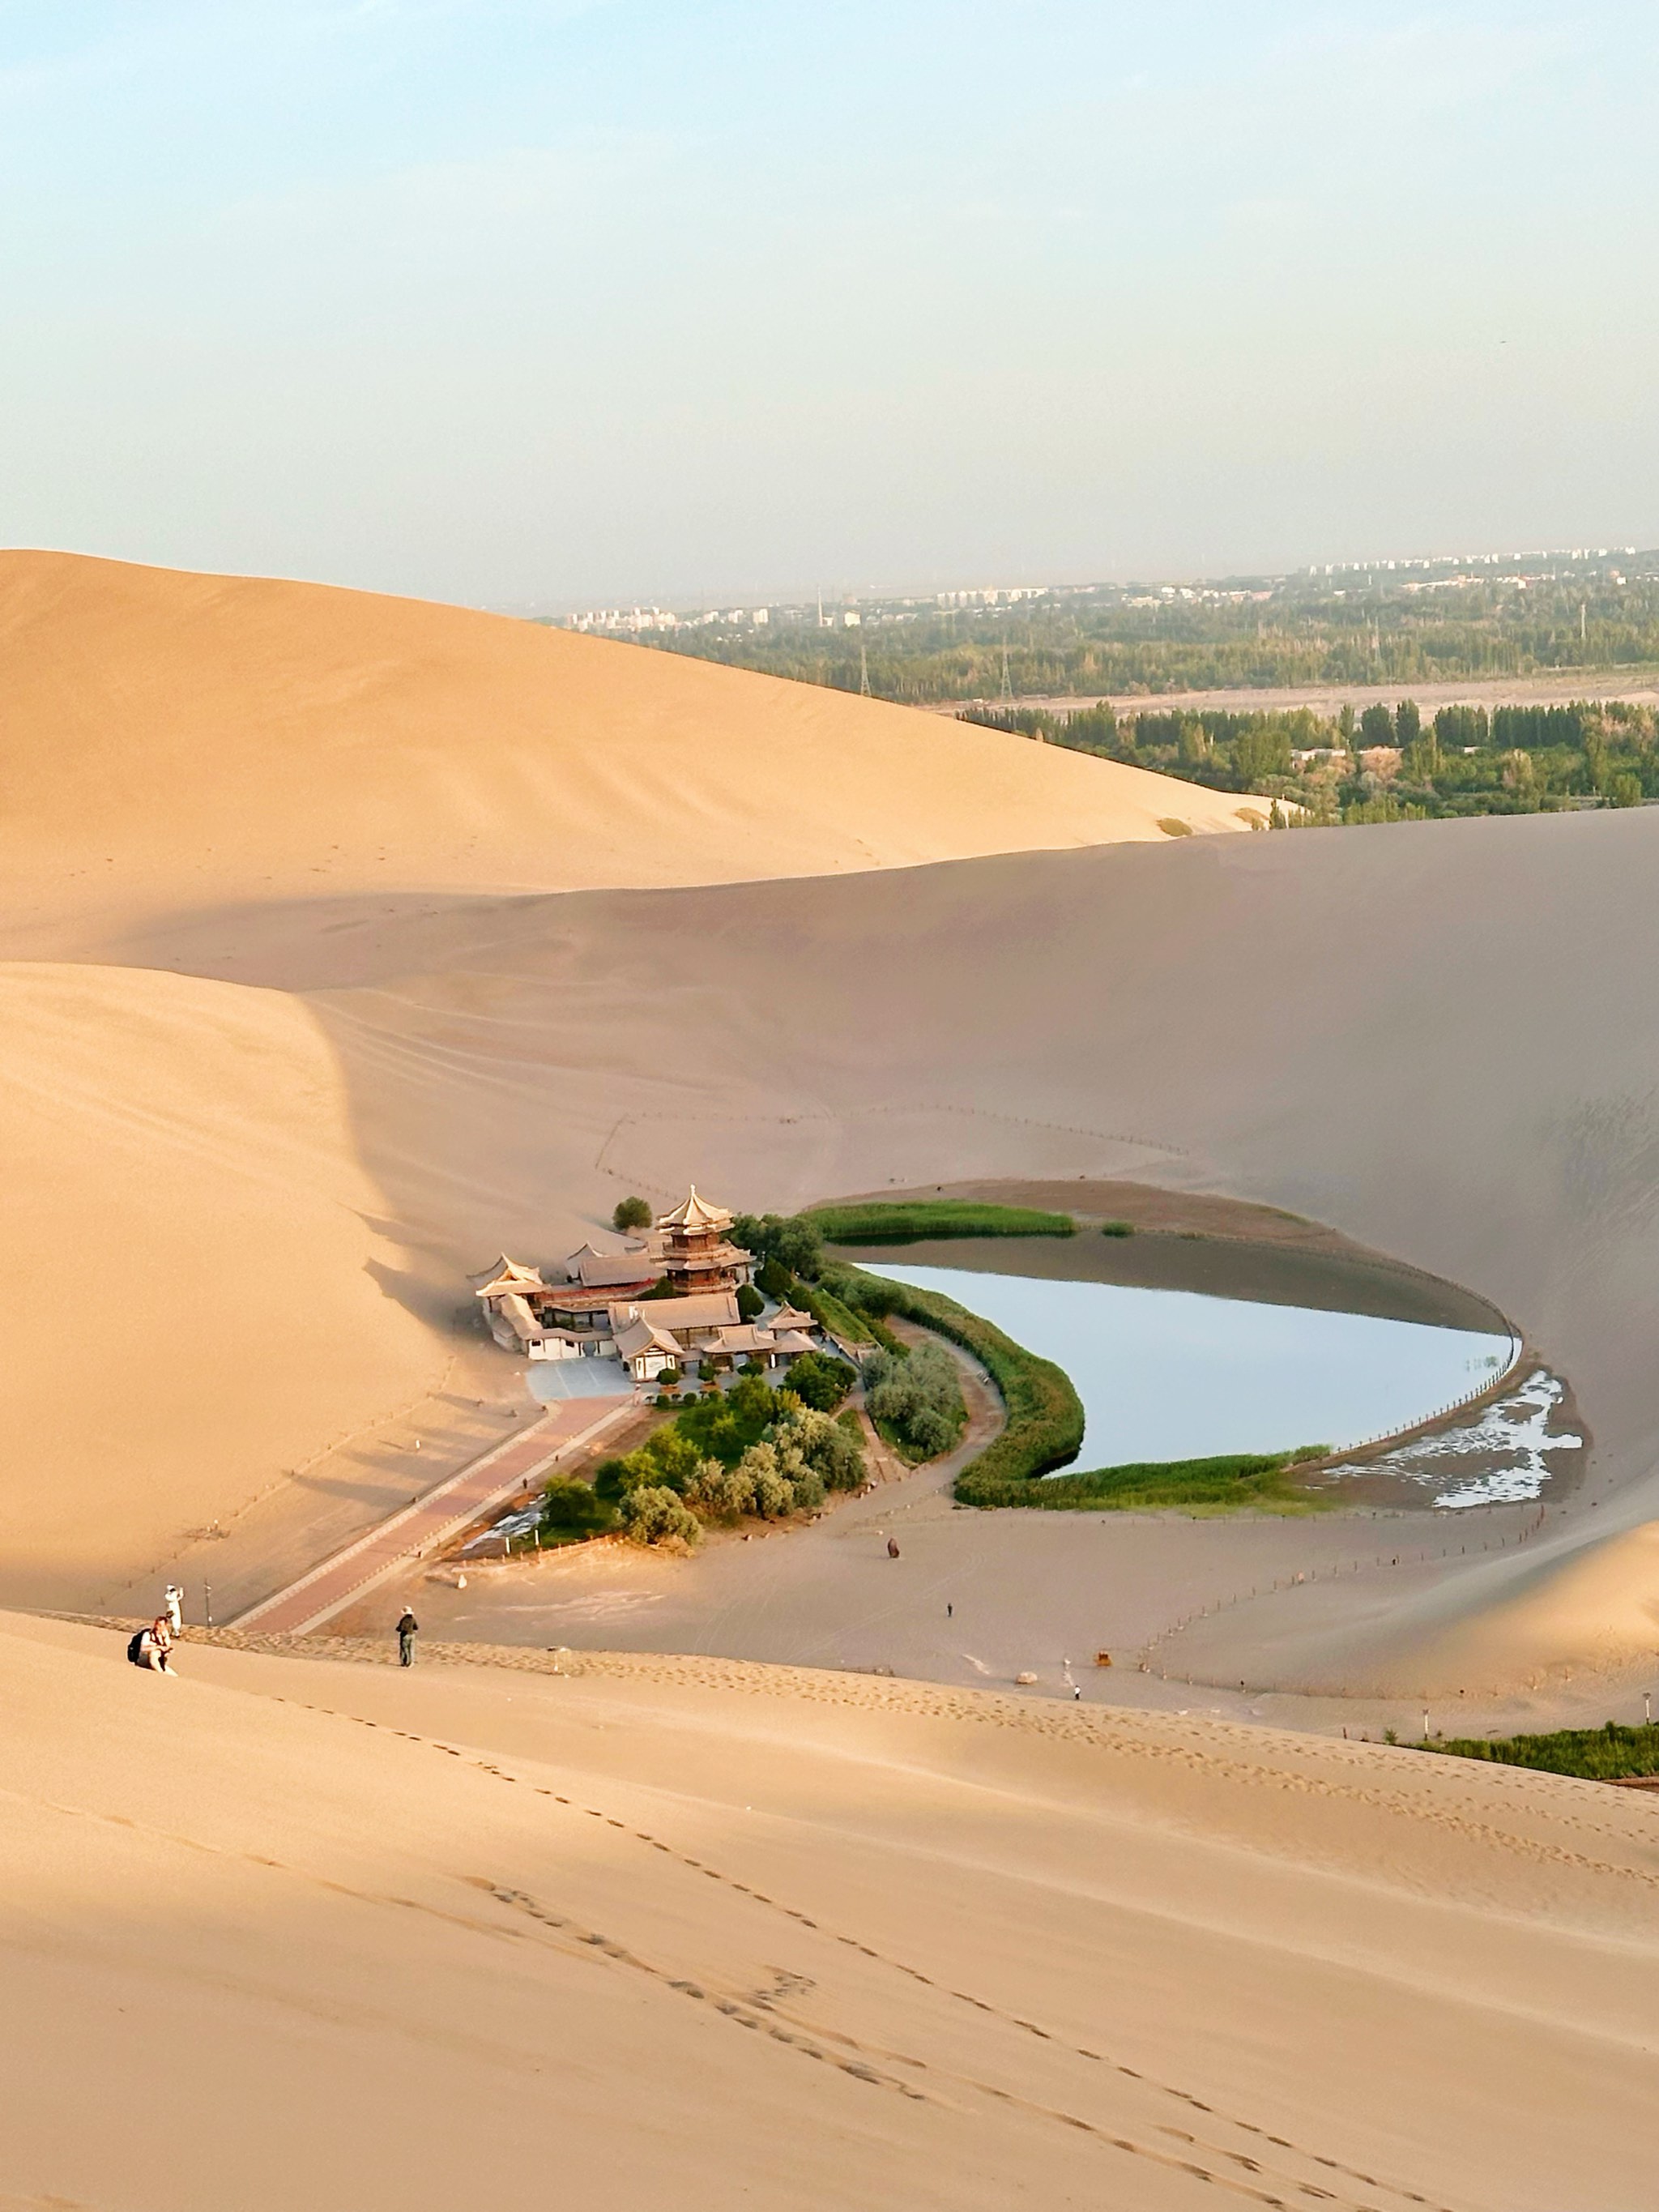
(1175, 1375)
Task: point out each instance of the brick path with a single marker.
(498, 1474)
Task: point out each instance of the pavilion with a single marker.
(656, 1302)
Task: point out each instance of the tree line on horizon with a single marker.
(1384, 765)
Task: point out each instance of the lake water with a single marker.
(1172, 1374)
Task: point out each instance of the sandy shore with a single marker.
(980, 1599)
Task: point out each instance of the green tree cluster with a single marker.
(790, 1240)
(755, 1451)
(915, 1400)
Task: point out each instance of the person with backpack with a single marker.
(408, 1629)
(152, 1646)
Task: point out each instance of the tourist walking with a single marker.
(172, 1604)
(408, 1629)
(892, 1547)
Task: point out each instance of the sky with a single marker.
(539, 304)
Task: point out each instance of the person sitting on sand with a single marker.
(151, 1646)
(408, 1629)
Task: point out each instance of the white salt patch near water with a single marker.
(1514, 1429)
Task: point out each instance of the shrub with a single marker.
(631, 1213)
(809, 1491)
(819, 1381)
(572, 1510)
(1117, 1228)
(1612, 1752)
(611, 1480)
(667, 1461)
(1150, 1486)
(841, 1320)
(833, 1452)
(751, 1304)
(916, 1402)
(1045, 1414)
(909, 1221)
(792, 1240)
(773, 1494)
(751, 1401)
(658, 1516)
(719, 1494)
(930, 1432)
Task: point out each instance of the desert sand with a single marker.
(209, 1322)
(179, 744)
(352, 942)
(292, 1932)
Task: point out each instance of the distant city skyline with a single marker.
(560, 303)
(765, 605)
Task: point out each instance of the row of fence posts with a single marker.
(1532, 1527)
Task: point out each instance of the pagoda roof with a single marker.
(789, 1317)
(592, 1267)
(677, 1316)
(640, 1335)
(508, 1275)
(695, 1212)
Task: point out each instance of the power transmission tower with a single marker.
(1007, 690)
(864, 671)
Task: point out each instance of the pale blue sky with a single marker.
(521, 303)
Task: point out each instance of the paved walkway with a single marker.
(499, 1474)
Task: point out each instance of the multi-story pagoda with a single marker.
(692, 1250)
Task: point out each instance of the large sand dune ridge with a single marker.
(173, 743)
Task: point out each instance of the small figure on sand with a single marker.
(892, 1547)
(151, 1646)
(408, 1629)
(172, 1604)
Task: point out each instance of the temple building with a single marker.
(694, 1252)
(660, 1301)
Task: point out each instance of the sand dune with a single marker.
(297, 1933)
(338, 1937)
(1421, 1035)
(189, 1305)
(179, 742)
(1579, 1610)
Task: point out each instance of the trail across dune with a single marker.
(686, 1934)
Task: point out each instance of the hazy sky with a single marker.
(542, 304)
